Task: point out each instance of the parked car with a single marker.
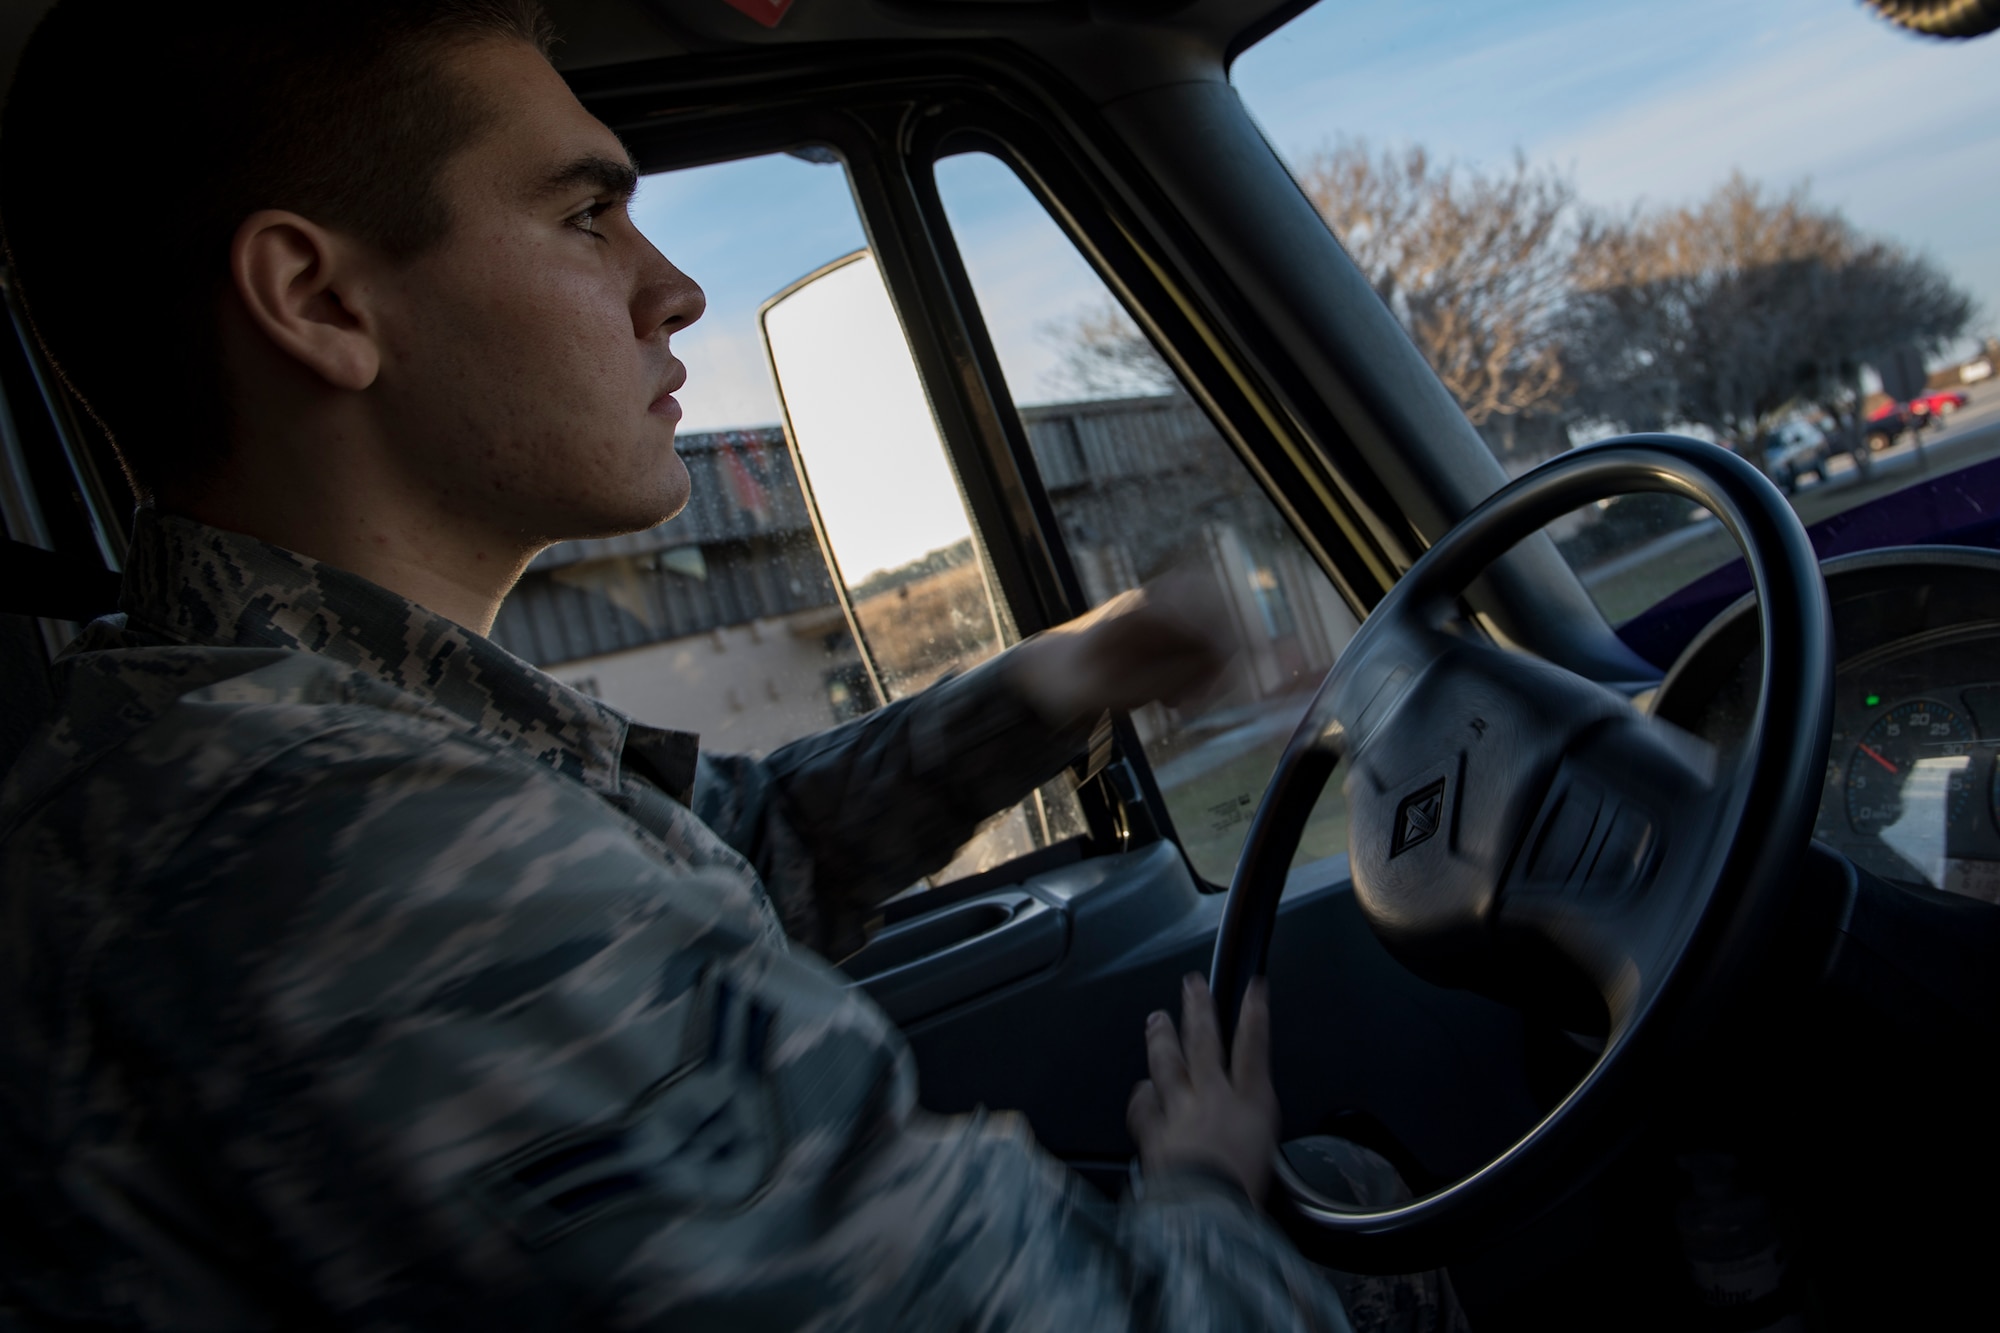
(1937, 406)
(1798, 450)
(1887, 423)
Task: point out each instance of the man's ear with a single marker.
(300, 284)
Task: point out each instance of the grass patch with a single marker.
(1212, 812)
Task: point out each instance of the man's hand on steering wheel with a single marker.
(1203, 1108)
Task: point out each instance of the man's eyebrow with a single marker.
(604, 175)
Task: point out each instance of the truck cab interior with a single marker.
(1574, 922)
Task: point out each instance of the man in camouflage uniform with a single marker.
(390, 979)
(357, 973)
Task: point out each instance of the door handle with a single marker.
(932, 962)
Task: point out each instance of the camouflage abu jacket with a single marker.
(355, 973)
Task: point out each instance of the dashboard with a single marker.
(1912, 790)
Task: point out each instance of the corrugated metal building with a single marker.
(743, 550)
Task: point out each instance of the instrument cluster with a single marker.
(1912, 789)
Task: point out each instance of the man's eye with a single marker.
(586, 221)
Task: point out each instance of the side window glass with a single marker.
(1141, 481)
(724, 620)
(721, 620)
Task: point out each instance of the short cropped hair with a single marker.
(139, 135)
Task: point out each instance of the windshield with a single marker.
(1766, 226)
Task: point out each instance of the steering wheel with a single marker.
(1515, 828)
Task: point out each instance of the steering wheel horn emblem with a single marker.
(1418, 818)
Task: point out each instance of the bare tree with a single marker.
(1734, 312)
(1880, 299)
(1475, 265)
(1104, 355)
(1727, 314)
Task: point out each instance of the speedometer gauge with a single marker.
(1917, 747)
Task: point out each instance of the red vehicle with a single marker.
(1888, 421)
(1938, 406)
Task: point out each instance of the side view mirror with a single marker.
(888, 510)
(884, 501)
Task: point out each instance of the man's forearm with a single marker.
(839, 821)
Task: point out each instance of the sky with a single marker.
(1028, 276)
(1660, 102)
(1637, 101)
(745, 231)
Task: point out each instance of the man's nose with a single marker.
(668, 300)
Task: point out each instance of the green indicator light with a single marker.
(1870, 700)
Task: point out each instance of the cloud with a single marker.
(1662, 102)
(1857, 110)
(1903, 137)
(1472, 82)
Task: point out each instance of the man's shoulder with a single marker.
(259, 785)
(148, 741)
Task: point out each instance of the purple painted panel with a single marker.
(1958, 509)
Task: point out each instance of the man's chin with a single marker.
(647, 507)
(645, 501)
(617, 524)
(675, 487)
